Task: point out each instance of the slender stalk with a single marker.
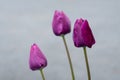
(69, 59)
(42, 74)
(87, 64)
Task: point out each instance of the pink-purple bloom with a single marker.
(82, 34)
(37, 59)
(61, 24)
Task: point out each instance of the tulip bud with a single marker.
(37, 59)
(82, 34)
(61, 24)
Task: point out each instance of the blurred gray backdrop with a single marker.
(24, 22)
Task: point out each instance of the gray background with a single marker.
(24, 22)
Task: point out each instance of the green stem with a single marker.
(42, 74)
(69, 59)
(87, 64)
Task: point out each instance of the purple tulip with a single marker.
(37, 60)
(61, 24)
(82, 34)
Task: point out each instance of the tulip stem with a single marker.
(42, 74)
(69, 59)
(87, 64)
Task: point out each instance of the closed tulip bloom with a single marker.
(82, 34)
(37, 59)
(61, 24)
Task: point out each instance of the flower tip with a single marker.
(56, 11)
(34, 45)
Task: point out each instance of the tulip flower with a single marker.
(37, 60)
(83, 37)
(82, 34)
(61, 24)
